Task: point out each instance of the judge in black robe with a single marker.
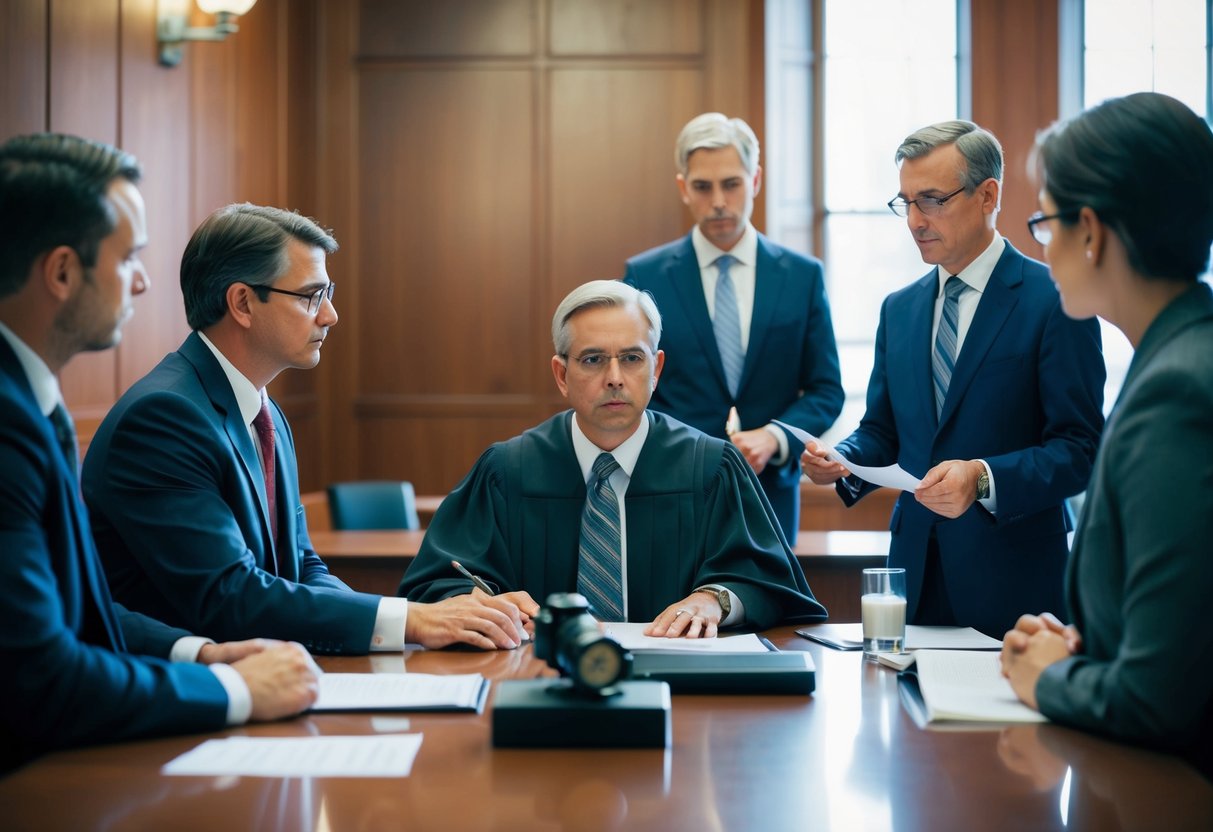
(695, 516)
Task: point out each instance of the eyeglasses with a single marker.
(597, 362)
(929, 205)
(314, 299)
(1042, 233)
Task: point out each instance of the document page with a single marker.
(918, 637)
(890, 476)
(968, 686)
(400, 692)
(389, 756)
(631, 636)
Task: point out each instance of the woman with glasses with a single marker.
(1127, 222)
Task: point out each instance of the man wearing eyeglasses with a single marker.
(651, 520)
(982, 387)
(191, 478)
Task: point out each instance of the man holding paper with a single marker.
(982, 387)
(652, 520)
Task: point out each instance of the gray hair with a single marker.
(241, 243)
(598, 293)
(713, 131)
(978, 147)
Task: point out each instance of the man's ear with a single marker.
(59, 270)
(560, 370)
(240, 299)
(757, 180)
(682, 189)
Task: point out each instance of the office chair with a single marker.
(382, 504)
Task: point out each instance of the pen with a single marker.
(475, 579)
(733, 423)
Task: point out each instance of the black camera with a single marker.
(568, 638)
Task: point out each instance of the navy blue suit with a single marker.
(1026, 396)
(791, 363)
(72, 676)
(179, 511)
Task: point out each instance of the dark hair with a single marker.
(52, 193)
(1144, 165)
(240, 243)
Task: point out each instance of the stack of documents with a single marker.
(401, 692)
(850, 637)
(967, 686)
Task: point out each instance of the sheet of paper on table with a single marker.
(631, 636)
(372, 756)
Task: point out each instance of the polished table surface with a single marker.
(848, 758)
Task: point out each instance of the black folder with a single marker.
(775, 672)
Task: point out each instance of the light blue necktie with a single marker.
(728, 325)
(600, 562)
(944, 359)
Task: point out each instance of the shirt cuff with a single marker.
(186, 649)
(239, 700)
(781, 456)
(390, 621)
(990, 503)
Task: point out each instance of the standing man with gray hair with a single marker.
(651, 520)
(192, 476)
(983, 387)
(747, 321)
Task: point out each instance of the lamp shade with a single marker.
(236, 7)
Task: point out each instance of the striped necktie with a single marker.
(944, 359)
(600, 561)
(727, 324)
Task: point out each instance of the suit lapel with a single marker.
(770, 278)
(915, 345)
(219, 390)
(684, 276)
(995, 307)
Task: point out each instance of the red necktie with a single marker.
(264, 425)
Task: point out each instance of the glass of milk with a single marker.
(883, 607)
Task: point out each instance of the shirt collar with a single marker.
(745, 252)
(41, 380)
(626, 454)
(248, 397)
(977, 274)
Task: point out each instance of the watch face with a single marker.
(600, 664)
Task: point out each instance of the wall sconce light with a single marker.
(172, 24)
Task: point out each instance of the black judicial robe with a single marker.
(695, 515)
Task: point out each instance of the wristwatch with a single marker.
(721, 595)
(983, 485)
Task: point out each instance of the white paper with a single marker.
(968, 686)
(890, 476)
(371, 756)
(398, 692)
(918, 637)
(631, 636)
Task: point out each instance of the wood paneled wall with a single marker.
(485, 157)
(476, 159)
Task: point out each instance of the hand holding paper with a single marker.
(890, 476)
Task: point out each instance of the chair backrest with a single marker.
(368, 505)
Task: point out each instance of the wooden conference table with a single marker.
(846, 758)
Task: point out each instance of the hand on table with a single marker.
(696, 616)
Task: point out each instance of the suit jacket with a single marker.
(1026, 395)
(695, 516)
(178, 502)
(71, 673)
(1139, 580)
(791, 363)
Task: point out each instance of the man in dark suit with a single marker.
(192, 479)
(747, 323)
(984, 388)
(690, 544)
(78, 668)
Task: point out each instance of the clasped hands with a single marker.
(948, 489)
(1036, 642)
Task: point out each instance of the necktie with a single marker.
(600, 562)
(944, 359)
(263, 424)
(728, 325)
(66, 434)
